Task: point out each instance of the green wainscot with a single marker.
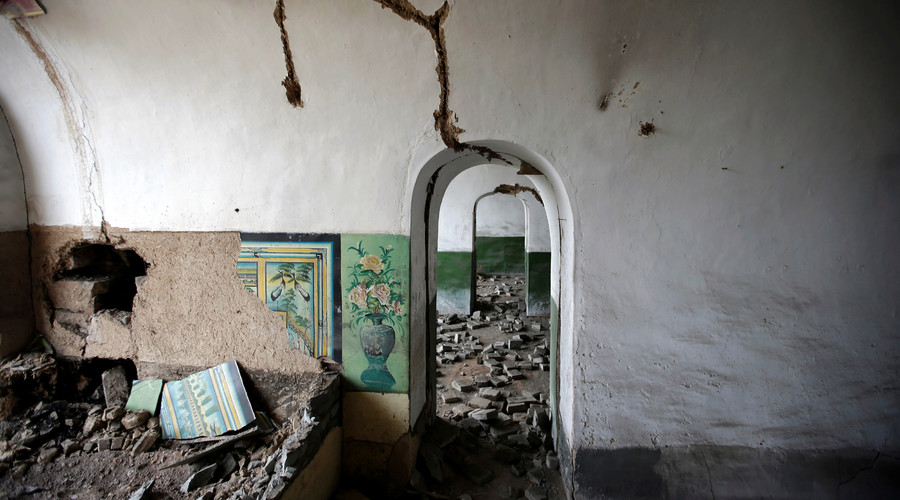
(537, 266)
(500, 254)
(454, 282)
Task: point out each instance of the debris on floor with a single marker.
(493, 437)
(67, 433)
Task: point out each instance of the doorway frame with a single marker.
(428, 188)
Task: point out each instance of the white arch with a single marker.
(428, 190)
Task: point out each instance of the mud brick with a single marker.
(517, 470)
(479, 402)
(535, 327)
(462, 385)
(536, 476)
(461, 410)
(77, 295)
(450, 398)
(116, 443)
(116, 387)
(541, 351)
(516, 407)
(525, 365)
(489, 393)
(482, 381)
(483, 414)
(515, 374)
(499, 344)
(552, 462)
(514, 344)
(519, 417)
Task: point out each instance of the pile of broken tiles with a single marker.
(496, 403)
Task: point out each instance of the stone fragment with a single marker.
(450, 398)
(536, 493)
(48, 454)
(460, 411)
(462, 385)
(490, 394)
(483, 414)
(536, 476)
(92, 424)
(143, 492)
(116, 443)
(199, 479)
(113, 413)
(518, 441)
(479, 402)
(134, 419)
(104, 444)
(70, 445)
(552, 462)
(115, 387)
(146, 441)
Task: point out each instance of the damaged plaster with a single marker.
(190, 309)
(92, 214)
(291, 83)
(516, 189)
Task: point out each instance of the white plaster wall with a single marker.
(458, 203)
(717, 298)
(499, 215)
(537, 233)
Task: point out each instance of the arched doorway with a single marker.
(427, 192)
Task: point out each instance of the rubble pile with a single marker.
(94, 447)
(493, 384)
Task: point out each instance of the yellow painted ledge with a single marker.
(320, 479)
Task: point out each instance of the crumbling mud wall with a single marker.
(190, 309)
(16, 317)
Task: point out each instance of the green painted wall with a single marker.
(537, 269)
(454, 282)
(500, 254)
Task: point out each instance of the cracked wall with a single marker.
(733, 275)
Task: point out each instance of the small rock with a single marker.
(146, 441)
(116, 443)
(113, 413)
(153, 422)
(536, 493)
(134, 419)
(462, 385)
(48, 454)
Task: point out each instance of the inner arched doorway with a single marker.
(427, 192)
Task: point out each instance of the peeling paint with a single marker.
(516, 189)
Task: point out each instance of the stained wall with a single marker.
(733, 278)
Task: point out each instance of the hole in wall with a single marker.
(97, 276)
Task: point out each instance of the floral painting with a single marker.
(375, 281)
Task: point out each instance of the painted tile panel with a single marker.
(375, 284)
(298, 277)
